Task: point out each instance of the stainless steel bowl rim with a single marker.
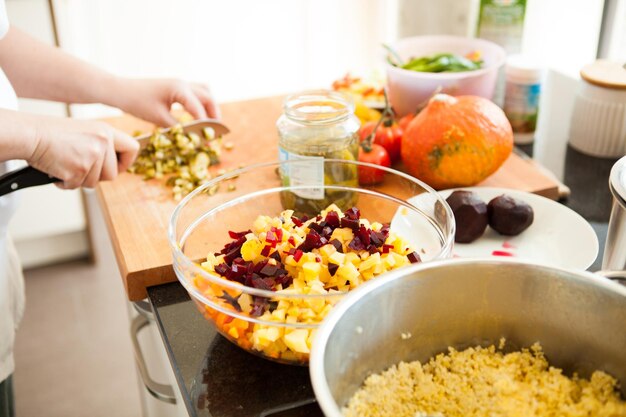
(316, 362)
(194, 267)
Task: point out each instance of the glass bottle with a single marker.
(316, 126)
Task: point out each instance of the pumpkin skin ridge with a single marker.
(458, 141)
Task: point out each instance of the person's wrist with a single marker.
(115, 92)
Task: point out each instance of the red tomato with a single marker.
(378, 155)
(405, 120)
(388, 135)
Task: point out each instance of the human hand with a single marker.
(152, 99)
(80, 152)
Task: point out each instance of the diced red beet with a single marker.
(266, 250)
(259, 305)
(278, 231)
(353, 213)
(297, 221)
(332, 218)
(364, 234)
(356, 244)
(276, 256)
(271, 237)
(387, 248)
(414, 257)
(312, 241)
(372, 249)
(222, 269)
(238, 235)
(318, 218)
(350, 223)
(332, 269)
(292, 241)
(269, 270)
(327, 232)
(316, 226)
(337, 244)
(297, 255)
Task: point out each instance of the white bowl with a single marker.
(410, 89)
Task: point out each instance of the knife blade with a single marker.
(192, 127)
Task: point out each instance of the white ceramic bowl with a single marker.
(410, 89)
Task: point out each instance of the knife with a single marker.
(31, 177)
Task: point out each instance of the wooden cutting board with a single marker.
(137, 212)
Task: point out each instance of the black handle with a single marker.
(23, 178)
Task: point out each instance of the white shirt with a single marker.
(11, 280)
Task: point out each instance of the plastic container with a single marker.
(409, 90)
(200, 226)
(598, 126)
(521, 100)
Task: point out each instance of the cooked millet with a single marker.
(485, 382)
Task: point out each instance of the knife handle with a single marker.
(23, 178)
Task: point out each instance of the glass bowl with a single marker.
(275, 321)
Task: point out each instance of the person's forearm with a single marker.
(18, 135)
(40, 71)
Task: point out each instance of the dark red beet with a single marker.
(350, 223)
(332, 219)
(238, 235)
(266, 250)
(337, 244)
(509, 216)
(414, 257)
(353, 213)
(470, 215)
(332, 269)
(297, 221)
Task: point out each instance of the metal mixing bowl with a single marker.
(578, 317)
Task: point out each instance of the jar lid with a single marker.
(617, 179)
(605, 73)
(524, 68)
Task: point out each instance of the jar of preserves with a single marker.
(316, 126)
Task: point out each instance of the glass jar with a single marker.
(317, 125)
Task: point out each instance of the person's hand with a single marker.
(80, 152)
(152, 99)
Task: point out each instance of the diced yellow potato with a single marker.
(337, 258)
(344, 235)
(311, 270)
(332, 207)
(352, 258)
(261, 223)
(370, 262)
(388, 260)
(251, 249)
(279, 314)
(327, 250)
(375, 226)
(245, 302)
(348, 272)
(233, 332)
(296, 340)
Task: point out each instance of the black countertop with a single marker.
(218, 379)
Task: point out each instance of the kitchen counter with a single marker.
(218, 379)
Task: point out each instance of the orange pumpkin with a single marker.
(456, 141)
